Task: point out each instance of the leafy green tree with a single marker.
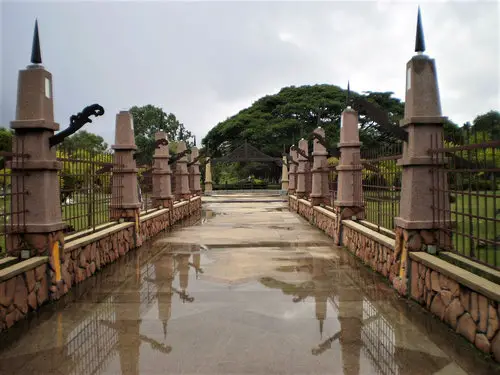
(6, 136)
(489, 123)
(84, 140)
(147, 121)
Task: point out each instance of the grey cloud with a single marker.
(204, 61)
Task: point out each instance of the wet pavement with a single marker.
(250, 289)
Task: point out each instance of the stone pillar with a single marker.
(36, 225)
(415, 229)
(181, 173)
(208, 177)
(301, 189)
(284, 176)
(292, 184)
(194, 172)
(162, 175)
(320, 155)
(125, 198)
(349, 200)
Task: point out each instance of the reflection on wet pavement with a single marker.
(191, 304)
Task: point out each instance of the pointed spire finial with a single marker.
(419, 41)
(36, 54)
(194, 140)
(348, 94)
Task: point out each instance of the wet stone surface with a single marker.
(237, 293)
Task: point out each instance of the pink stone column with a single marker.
(36, 224)
(208, 177)
(194, 172)
(182, 175)
(162, 175)
(284, 176)
(320, 155)
(125, 198)
(349, 200)
(423, 120)
(301, 189)
(292, 175)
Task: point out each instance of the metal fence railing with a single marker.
(85, 186)
(466, 199)
(332, 186)
(145, 180)
(381, 181)
(12, 193)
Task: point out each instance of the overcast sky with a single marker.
(205, 61)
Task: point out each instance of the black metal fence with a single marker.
(12, 193)
(381, 181)
(466, 199)
(85, 186)
(145, 180)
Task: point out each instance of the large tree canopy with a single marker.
(147, 121)
(275, 122)
(84, 140)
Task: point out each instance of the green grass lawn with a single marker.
(380, 212)
(83, 214)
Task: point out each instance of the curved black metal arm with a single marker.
(76, 122)
(161, 142)
(302, 153)
(176, 157)
(194, 160)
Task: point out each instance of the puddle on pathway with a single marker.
(178, 307)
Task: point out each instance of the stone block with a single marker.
(427, 237)
(30, 280)
(483, 313)
(453, 312)
(415, 242)
(435, 281)
(32, 301)
(21, 295)
(438, 307)
(495, 346)
(466, 327)
(492, 322)
(465, 298)
(446, 297)
(474, 307)
(40, 272)
(42, 294)
(482, 343)
(428, 285)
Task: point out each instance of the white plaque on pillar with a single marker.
(47, 88)
(408, 79)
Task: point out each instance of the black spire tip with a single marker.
(419, 41)
(194, 140)
(36, 54)
(348, 97)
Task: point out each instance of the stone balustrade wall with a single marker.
(27, 285)
(473, 312)
(23, 288)
(470, 313)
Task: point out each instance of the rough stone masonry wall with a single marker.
(470, 314)
(306, 210)
(22, 293)
(379, 257)
(31, 287)
(327, 222)
(293, 203)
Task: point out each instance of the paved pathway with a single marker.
(252, 289)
